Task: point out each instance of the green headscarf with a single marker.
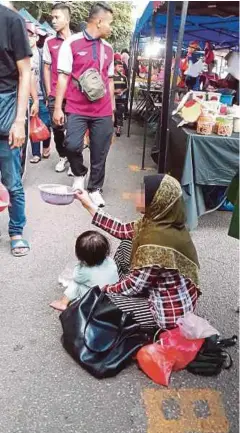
(161, 237)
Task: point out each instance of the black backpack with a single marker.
(212, 358)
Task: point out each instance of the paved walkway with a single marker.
(42, 390)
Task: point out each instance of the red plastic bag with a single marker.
(172, 352)
(186, 349)
(4, 198)
(38, 130)
(157, 362)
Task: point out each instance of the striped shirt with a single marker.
(120, 83)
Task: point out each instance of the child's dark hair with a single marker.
(92, 248)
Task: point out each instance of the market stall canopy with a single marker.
(217, 22)
(44, 27)
(48, 28)
(28, 17)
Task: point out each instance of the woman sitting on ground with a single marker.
(159, 282)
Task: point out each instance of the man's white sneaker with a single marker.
(70, 173)
(61, 165)
(97, 198)
(79, 183)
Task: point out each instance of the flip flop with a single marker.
(19, 243)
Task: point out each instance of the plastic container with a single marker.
(205, 124)
(227, 99)
(199, 95)
(214, 96)
(224, 126)
(236, 125)
(56, 194)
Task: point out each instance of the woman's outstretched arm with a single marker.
(104, 221)
(134, 283)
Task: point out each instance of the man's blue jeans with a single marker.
(10, 170)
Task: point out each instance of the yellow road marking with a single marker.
(136, 168)
(185, 419)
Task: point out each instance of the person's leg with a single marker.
(24, 148)
(35, 149)
(100, 133)
(59, 137)
(120, 107)
(74, 142)
(45, 117)
(10, 167)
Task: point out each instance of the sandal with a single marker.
(46, 153)
(35, 159)
(17, 244)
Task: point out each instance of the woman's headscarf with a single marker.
(161, 237)
(117, 56)
(125, 58)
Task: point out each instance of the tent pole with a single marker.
(147, 95)
(179, 50)
(135, 55)
(166, 87)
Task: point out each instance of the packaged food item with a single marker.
(191, 111)
(199, 95)
(205, 124)
(236, 125)
(214, 96)
(224, 126)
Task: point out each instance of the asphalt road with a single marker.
(42, 390)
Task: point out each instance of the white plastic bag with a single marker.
(66, 275)
(194, 327)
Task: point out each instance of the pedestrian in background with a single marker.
(38, 95)
(120, 90)
(61, 15)
(84, 60)
(15, 76)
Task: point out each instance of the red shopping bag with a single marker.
(4, 198)
(38, 130)
(157, 362)
(186, 349)
(172, 352)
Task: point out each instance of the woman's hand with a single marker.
(34, 108)
(84, 198)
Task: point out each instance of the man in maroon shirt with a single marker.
(60, 21)
(78, 54)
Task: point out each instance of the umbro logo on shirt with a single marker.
(55, 47)
(82, 53)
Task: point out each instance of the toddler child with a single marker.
(95, 268)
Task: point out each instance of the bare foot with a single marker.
(59, 305)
